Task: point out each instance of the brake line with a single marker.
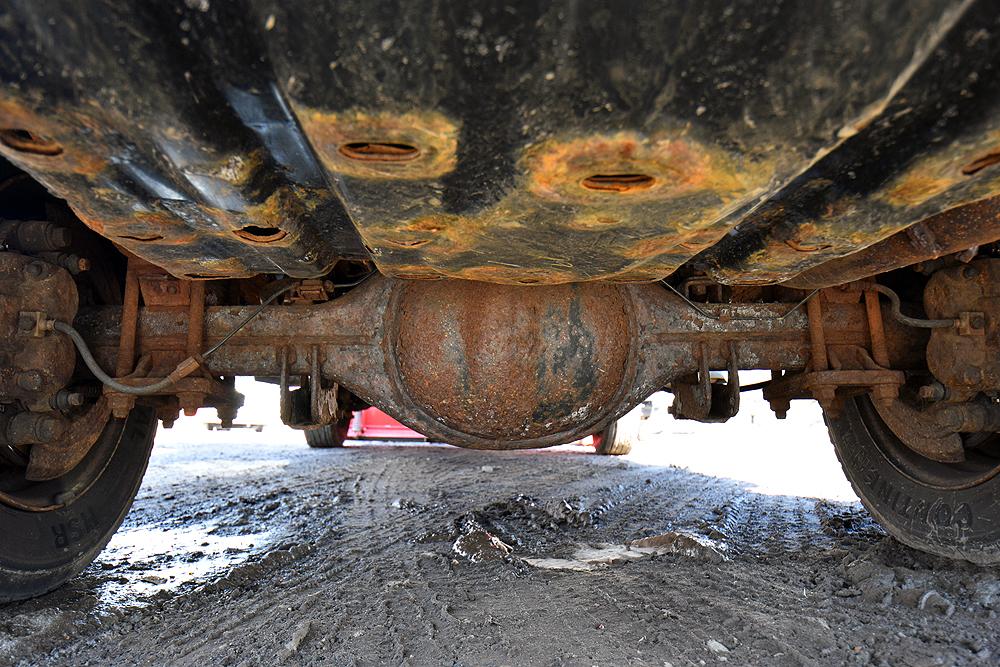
(712, 316)
(182, 370)
(187, 366)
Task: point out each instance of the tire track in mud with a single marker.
(363, 570)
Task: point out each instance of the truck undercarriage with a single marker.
(505, 226)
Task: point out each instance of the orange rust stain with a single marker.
(599, 234)
(649, 247)
(59, 126)
(664, 165)
(512, 275)
(430, 133)
(916, 188)
(982, 162)
(956, 164)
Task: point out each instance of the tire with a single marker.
(329, 436)
(618, 438)
(945, 509)
(42, 550)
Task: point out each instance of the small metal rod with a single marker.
(129, 323)
(257, 311)
(713, 316)
(817, 337)
(755, 386)
(246, 320)
(909, 321)
(196, 317)
(880, 351)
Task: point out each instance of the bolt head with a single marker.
(971, 375)
(926, 392)
(970, 272)
(47, 428)
(34, 269)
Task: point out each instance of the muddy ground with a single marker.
(258, 552)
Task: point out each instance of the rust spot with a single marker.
(664, 166)
(364, 144)
(151, 237)
(917, 188)
(63, 142)
(649, 247)
(423, 225)
(256, 234)
(27, 141)
(379, 152)
(506, 362)
(803, 247)
(406, 243)
(981, 163)
(618, 183)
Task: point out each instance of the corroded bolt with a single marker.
(970, 272)
(932, 392)
(971, 375)
(32, 428)
(34, 269)
(29, 380)
(66, 400)
(47, 428)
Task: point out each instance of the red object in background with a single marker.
(373, 424)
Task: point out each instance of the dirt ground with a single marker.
(251, 549)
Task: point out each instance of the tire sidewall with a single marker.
(957, 523)
(41, 550)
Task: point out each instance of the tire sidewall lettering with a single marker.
(930, 516)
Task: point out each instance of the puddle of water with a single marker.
(144, 561)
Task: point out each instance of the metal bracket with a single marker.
(706, 401)
(311, 404)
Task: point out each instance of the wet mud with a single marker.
(422, 555)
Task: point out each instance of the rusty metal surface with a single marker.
(536, 143)
(952, 231)
(922, 432)
(52, 460)
(33, 368)
(128, 324)
(485, 365)
(512, 363)
(700, 398)
(966, 358)
(496, 366)
(828, 386)
(905, 161)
